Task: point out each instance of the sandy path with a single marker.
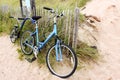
(11, 68)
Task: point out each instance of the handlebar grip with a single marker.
(21, 18)
(47, 8)
(11, 17)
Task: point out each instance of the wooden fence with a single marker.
(67, 25)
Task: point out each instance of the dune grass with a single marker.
(10, 2)
(4, 22)
(61, 4)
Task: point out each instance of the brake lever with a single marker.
(52, 11)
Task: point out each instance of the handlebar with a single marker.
(53, 11)
(21, 18)
(17, 18)
(24, 19)
(47, 8)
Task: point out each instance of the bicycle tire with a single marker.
(13, 35)
(64, 55)
(30, 40)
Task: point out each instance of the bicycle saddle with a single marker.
(36, 17)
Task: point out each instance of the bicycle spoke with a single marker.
(26, 40)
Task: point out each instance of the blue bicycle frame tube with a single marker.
(22, 24)
(37, 35)
(28, 44)
(54, 32)
(58, 51)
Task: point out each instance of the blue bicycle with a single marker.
(61, 59)
(17, 29)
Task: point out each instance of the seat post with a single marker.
(36, 29)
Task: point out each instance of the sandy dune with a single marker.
(108, 11)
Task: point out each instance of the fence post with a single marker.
(70, 26)
(66, 22)
(75, 29)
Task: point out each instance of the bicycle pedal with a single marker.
(31, 60)
(35, 51)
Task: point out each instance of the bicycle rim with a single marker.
(13, 36)
(27, 39)
(64, 68)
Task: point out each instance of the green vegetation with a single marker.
(82, 18)
(11, 3)
(4, 22)
(20, 57)
(61, 4)
(87, 53)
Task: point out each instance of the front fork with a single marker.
(58, 49)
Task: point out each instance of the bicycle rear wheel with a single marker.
(65, 67)
(13, 35)
(27, 39)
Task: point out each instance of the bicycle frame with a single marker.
(40, 45)
(52, 34)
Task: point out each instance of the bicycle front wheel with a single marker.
(65, 67)
(26, 42)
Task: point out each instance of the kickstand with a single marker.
(31, 60)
